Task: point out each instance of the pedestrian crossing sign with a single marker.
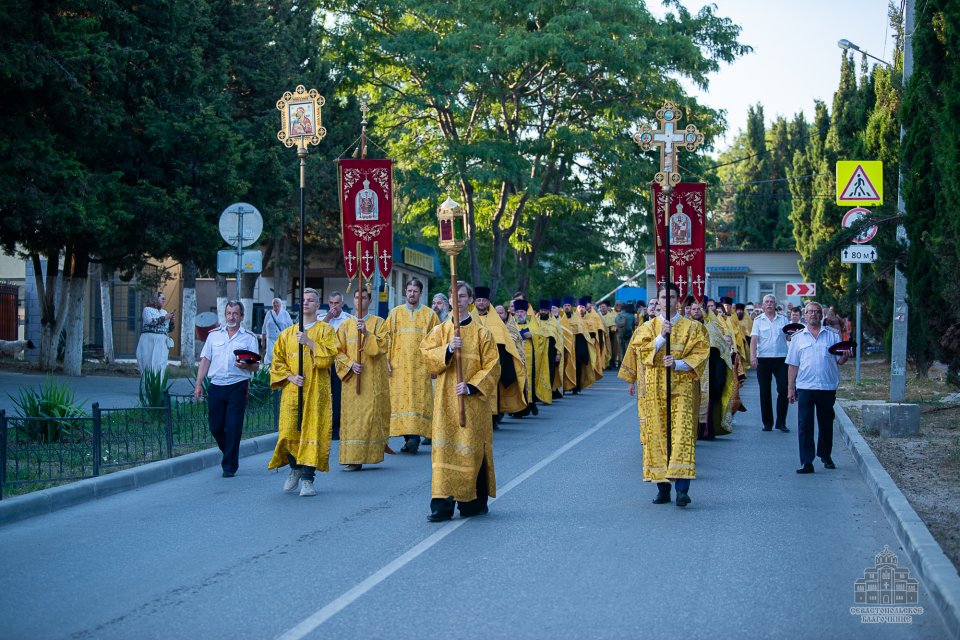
(859, 183)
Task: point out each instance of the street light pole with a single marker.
(901, 310)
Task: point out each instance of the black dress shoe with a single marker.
(479, 512)
(425, 442)
(783, 428)
(534, 410)
(828, 463)
(662, 498)
(807, 468)
(682, 499)
(439, 517)
(768, 428)
(229, 474)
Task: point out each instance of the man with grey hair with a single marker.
(768, 352)
(813, 378)
(229, 380)
(276, 320)
(441, 307)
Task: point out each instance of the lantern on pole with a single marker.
(452, 220)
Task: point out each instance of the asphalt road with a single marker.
(572, 548)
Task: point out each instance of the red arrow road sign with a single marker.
(801, 289)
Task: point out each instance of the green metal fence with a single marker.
(38, 453)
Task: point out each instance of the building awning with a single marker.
(417, 256)
(727, 269)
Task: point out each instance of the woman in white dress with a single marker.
(152, 349)
(276, 320)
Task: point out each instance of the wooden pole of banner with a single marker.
(669, 140)
(360, 336)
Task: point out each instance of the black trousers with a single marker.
(776, 368)
(306, 472)
(226, 405)
(810, 401)
(445, 506)
(335, 386)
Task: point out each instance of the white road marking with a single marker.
(333, 608)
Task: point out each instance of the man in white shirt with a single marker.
(813, 378)
(229, 379)
(335, 317)
(768, 352)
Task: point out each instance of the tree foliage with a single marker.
(522, 108)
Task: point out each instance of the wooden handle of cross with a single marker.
(455, 310)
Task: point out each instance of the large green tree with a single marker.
(514, 104)
(931, 185)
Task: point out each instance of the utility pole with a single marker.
(901, 311)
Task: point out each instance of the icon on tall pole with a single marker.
(859, 183)
(301, 126)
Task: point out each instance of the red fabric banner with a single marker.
(688, 227)
(366, 216)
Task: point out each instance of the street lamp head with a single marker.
(846, 45)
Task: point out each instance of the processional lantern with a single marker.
(452, 220)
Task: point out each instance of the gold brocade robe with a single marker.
(560, 332)
(411, 389)
(457, 453)
(723, 424)
(594, 324)
(631, 370)
(610, 325)
(508, 398)
(364, 416)
(311, 445)
(688, 342)
(536, 353)
(575, 327)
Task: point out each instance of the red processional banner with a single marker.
(366, 216)
(687, 228)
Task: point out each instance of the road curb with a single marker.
(69, 495)
(932, 565)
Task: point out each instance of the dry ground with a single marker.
(926, 467)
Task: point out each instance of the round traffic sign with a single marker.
(240, 214)
(850, 219)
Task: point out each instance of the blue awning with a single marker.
(727, 269)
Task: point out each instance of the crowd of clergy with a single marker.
(398, 377)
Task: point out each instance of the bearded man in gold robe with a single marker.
(669, 454)
(462, 457)
(363, 342)
(538, 345)
(306, 448)
(411, 389)
(509, 397)
(579, 372)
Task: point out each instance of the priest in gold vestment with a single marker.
(462, 457)
(364, 415)
(579, 372)
(509, 396)
(308, 449)
(669, 456)
(538, 342)
(411, 389)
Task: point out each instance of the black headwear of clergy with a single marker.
(726, 300)
(521, 305)
(545, 304)
(585, 300)
(481, 292)
(567, 300)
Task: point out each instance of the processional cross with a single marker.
(669, 140)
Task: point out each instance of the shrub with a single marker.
(51, 404)
(153, 385)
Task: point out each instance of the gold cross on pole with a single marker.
(669, 139)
